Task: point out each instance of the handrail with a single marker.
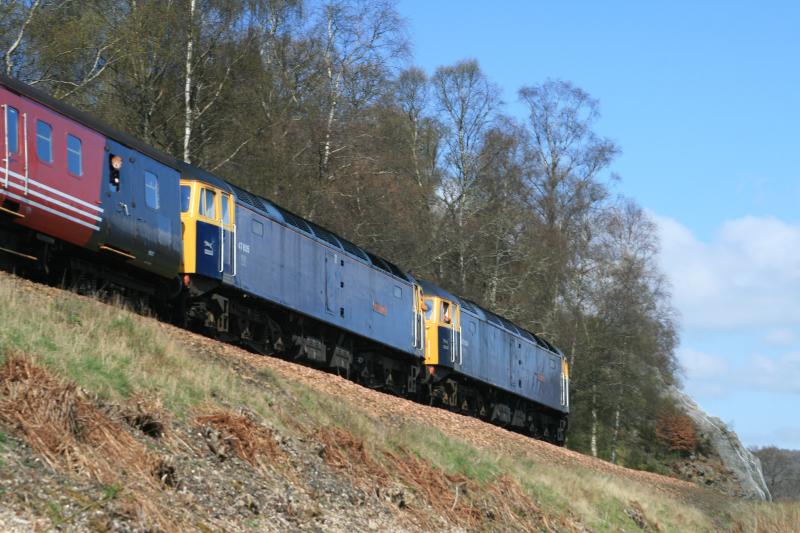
(221, 249)
(234, 254)
(415, 295)
(452, 344)
(25, 140)
(6, 162)
(460, 344)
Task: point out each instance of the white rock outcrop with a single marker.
(745, 466)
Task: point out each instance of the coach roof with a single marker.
(87, 120)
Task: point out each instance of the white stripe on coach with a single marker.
(54, 201)
(53, 211)
(52, 190)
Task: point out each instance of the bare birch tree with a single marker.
(467, 102)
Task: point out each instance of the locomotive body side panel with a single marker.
(292, 269)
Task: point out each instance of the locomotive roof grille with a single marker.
(395, 270)
(293, 220)
(510, 327)
(250, 199)
(491, 317)
(378, 262)
(325, 235)
(353, 249)
(468, 306)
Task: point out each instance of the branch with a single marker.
(18, 41)
(235, 152)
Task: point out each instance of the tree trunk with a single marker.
(333, 88)
(187, 91)
(615, 435)
(593, 443)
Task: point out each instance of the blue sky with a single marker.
(704, 100)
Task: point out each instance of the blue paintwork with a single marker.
(492, 354)
(153, 236)
(208, 250)
(304, 273)
(307, 275)
(215, 249)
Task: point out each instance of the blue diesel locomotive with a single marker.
(248, 271)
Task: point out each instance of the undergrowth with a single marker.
(119, 356)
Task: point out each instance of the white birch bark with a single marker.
(187, 91)
(8, 56)
(593, 442)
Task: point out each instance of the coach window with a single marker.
(74, 156)
(226, 209)
(12, 118)
(44, 141)
(207, 199)
(150, 190)
(114, 169)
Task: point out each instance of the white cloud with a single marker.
(780, 337)
(748, 276)
(699, 365)
(773, 374)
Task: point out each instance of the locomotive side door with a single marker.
(209, 258)
(227, 231)
(333, 279)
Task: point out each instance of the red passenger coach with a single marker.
(51, 170)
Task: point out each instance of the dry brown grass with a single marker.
(463, 502)
(240, 435)
(63, 425)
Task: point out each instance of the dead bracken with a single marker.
(228, 433)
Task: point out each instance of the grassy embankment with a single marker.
(115, 355)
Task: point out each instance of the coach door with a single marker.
(14, 166)
(119, 202)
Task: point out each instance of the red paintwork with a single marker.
(55, 175)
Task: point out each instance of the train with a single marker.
(84, 204)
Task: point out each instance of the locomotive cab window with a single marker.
(44, 141)
(74, 155)
(429, 307)
(186, 198)
(445, 314)
(207, 208)
(226, 209)
(151, 190)
(258, 228)
(12, 133)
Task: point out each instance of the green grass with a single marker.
(116, 354)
